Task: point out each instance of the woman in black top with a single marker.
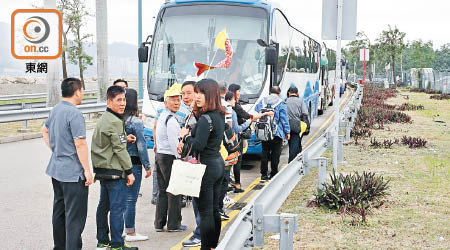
(242, 116)
(240, 112)
(205, 139)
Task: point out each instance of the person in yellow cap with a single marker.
(168, 206)
(298, 121)
(187, 91)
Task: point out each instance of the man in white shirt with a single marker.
(168, 206)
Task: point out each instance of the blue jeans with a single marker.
(132, 196)
(155, 184)
(197, 220)
(295, 146)
(112, 199)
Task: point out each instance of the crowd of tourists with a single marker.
(201, 121)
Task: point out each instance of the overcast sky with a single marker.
(426, 20)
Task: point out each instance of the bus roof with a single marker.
(260, 3)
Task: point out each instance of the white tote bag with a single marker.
(186, 178)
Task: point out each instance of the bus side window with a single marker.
(282, 33)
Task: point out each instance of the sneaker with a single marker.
(238, 190)
(227, 200)
(180, 229)
(192, 242)
(125, 247)
(158, 230)
(101, 246)
(264, 178)
(137, 237)
(223, 216)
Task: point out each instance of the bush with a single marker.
(413, 142)
(427, 91)
(355, 194)
(441, 97)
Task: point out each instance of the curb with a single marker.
(20, 138)
(29, 136)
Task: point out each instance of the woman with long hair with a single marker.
(205, 140)
(139, 157)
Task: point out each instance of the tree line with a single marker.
(390, 49)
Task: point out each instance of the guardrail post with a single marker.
(258, 224)
(348, 129)
(288, 226)
(340, 149)
(322, 176)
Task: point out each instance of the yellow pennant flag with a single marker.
(220, 39)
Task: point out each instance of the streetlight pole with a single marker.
(141, 87)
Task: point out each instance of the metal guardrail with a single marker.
(35, 95)
(40, 113)
(259, 215)
(34, 105)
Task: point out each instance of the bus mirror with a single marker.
(271, 55)
(143, 53)
(262, 43)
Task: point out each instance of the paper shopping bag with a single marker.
(186, 178)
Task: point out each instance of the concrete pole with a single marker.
(337, 88)
(52, 78)
(102, 48)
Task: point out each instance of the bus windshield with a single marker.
(187, 34)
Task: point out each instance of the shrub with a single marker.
(408, 106)
(374, 143)
(427, 91)
(355, 194)
(440, 97)
(413, 142)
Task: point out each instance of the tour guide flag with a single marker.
(223, 43)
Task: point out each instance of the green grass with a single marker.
(417, 211)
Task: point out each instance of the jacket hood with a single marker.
(271, 99)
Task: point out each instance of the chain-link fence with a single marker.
(442, 82)
(427, 78)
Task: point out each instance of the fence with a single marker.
(40, 113)
(26, 104)
(259, 216)
(442, 82)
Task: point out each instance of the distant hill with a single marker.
(123, 60)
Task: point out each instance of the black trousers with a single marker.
(271, 150)
(69, 214)
(168, 206)
(237, 166)
(208, 202)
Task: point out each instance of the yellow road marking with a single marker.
(324, 124)
(234, 213)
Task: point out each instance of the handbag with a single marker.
(186, 177)
(246, 133)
